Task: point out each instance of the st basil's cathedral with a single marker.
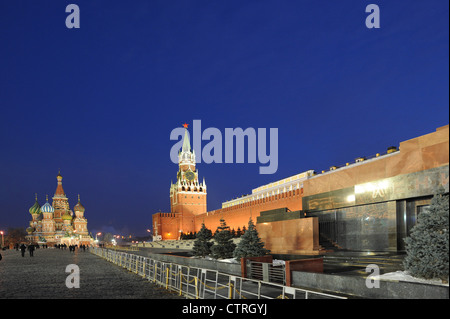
(56, 223)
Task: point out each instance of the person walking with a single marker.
(31, 250)
(22, 249)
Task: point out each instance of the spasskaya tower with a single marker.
(187, 194)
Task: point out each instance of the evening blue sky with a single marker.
(99, 102)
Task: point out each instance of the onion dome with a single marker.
(66, 216)
(78, 207)
(35, 209)
(47, 208)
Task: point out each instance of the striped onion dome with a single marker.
(47, 208)
(78, 207)
(35, 209)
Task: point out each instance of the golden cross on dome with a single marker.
(185, 125)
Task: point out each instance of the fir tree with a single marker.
(202, 244)
(224, 246)
(250, 244)
(427, 248)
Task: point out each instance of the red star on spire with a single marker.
(185, 125)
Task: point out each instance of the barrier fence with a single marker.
(266, 272)
(201, 283)
(123, 248)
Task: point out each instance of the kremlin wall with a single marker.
(369, 204)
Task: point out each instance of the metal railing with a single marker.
(266, 272)
(123, 248)
(201, 283)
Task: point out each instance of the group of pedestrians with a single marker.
(81, 247)
(32, 247)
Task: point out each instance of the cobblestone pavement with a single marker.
(44, 276)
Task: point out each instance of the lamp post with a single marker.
(96, 238)
(3, 243)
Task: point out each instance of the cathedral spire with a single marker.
(59, 189)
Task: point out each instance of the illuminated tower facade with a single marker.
(79, 222)
(60, 205)
(187, 194)
(48, 222)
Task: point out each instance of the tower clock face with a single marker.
(189, 175)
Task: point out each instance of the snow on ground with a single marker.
(278, 262)
(275, 262)
(229, 260)
(405, 276)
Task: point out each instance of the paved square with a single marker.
(44, 276)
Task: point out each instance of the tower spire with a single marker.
(59, 189)
(186, 140)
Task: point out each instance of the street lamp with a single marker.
(3, 243)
